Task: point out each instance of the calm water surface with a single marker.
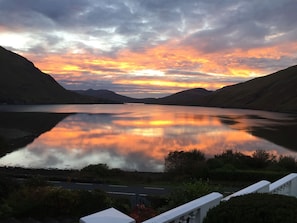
(138, 137)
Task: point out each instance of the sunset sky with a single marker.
(151, 48)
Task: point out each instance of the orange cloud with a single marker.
(161, 58)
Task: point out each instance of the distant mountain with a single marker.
(187, 97)
(274, 92)
(22, 83)
(108, 95)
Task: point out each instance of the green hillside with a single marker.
(22, 83)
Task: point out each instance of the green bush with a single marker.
(42, 202)
(186, 163)
(255, 208)
(288, 163)
(262, 159)
(188, 192)
(99, 170)
(237, 159)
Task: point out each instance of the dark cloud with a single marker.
(245, 25)
(187, 72)
(207, 25)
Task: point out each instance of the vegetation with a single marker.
(189, 174)
(230, 165)
(36, 199)
(188, 191)
(186, 163)
(256, 208)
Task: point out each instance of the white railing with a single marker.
(110, 215)
(196, 210)
(191, 212)
(285, 186)
(260, 187)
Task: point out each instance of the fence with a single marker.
(286, 185)
(192, 212)
(196, 210)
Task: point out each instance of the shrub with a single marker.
(141, 213)
(262, 159)
(288, 163)
(188, 192)
(190, 163)
(256, 208)
(42, 202)
(100, 170)
(229, 157)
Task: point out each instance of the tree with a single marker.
(287, 162)
(262, 158)
(188, 163)
(231, 159)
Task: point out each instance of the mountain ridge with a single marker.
(23, 83)
(109, 95)
(273, 92)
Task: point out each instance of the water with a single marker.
(135, 136)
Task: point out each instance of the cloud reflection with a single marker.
(141, 140)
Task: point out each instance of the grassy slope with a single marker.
(275, 92)
(21, 82)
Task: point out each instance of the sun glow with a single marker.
(148, 69)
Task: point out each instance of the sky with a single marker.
(151, 48)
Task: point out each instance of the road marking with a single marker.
(127, 193)
(122, 193)
(112, 185)
(154, 188)
(86, 184)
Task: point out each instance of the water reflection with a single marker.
(139, 137)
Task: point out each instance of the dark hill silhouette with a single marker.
(187, 97)
(22, 83)
(108, 95)
(274, 92)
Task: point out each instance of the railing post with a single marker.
(109, 215)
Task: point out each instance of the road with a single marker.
(130, 190)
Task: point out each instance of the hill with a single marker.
(22, 83)
(274, 92)
(188, 97)
(108, 95)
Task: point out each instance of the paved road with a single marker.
(142, 191)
